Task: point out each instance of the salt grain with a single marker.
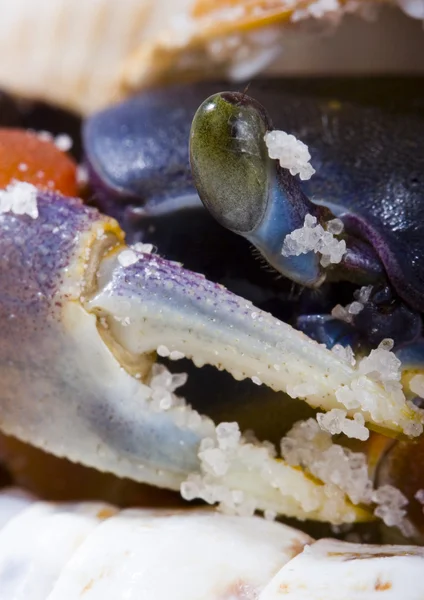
(162, 387)
(270, 515)
(143, 248)
(336, 421)
(127, 258)
(45, 136)
(312, 237)
(355, 308)
(256, 380)
(363, 294)
(381, 364)
(335, 226)
(82, 175)
(163, 351)
(308, 446)
(345, 353)
(417, 385)
(63, 142)
(291, 153)
(391, 505)
(19, 198)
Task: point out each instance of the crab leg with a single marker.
(81, 317)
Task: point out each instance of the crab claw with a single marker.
(82, 316)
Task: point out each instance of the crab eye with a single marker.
(242, 188)
(229, 160)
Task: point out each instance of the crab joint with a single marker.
(79, 311)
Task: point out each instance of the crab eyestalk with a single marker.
(82, 316)
(250, 194)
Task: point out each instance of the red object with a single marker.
(26, 157)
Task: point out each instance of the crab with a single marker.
(84, 316)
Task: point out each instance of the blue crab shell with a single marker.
(364, 138)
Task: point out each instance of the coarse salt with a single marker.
(63, 142)
(417, 385)
(312, 237)
(19, 198)
(143, 248)
(127, 258)
(336, 421)
(290, 152)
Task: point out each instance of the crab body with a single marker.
(135, 149)
(85, 318)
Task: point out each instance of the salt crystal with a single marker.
(345, 353)
(381, 364)
(346, 396)
(176, 355)
(23, 167)
(386, 344)
(420, 496)
(391, 505)
(336, 421)
(291, 153)
(19, 198)
(339, 312)
(417, 385)
(127, 258)
(163, 351)
(335, 226)
(82, 175)
(143, 248)
(332, 421)
(318, 10)
(214, 461)
(363, 294)
(310, 221)
(256, 380)
(308, 446)
(228, 435)
(355, 428)
(63, 142)
(270, 515)
(189, 490)
(312, 237)
(45, 136)
(355, 308)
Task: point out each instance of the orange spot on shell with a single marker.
(106, 513)
(382, 586)
(26, 157)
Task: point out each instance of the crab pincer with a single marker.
(82, 318)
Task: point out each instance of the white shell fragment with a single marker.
(82, 55)
(241, 38)
(334, 570)
(94, 552)
(68, 52)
